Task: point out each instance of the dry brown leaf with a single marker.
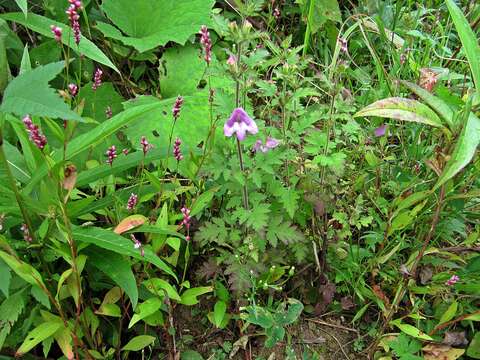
(130, 223)
(441, 352)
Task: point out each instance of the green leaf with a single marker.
(181, 70)
(10, 310)
(257, 315)
(6, 276)
(22, 4)
(464, 150)
(450, 313)
(190, 355)
(118, 269)
(4, 69)
(321, 12)
(289, 199)
(468, 38)
(438, 105)
(189, 296)
(139, 342)
(402, 109)
(22, 269)
(25, 65)
(219, 311)
(293, 312)
(474, 348)
(37, 335)
(152, 23)
(41, 25)
(108, 240)
(145, 309)
(158, 286)
(411, 330)
(202, 201)
(274, 334)
(30, 93)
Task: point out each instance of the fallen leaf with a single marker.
(130, 223)
(455, 338)
(441, 352)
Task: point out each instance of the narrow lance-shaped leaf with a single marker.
(37, 335)
(469, 40)
(402, 109)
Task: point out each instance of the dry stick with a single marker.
(403, 286)
(448, 323)
(320, 322)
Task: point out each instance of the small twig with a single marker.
(320, 322)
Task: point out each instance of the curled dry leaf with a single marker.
(70, 177)
(130, 223)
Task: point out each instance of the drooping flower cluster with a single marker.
(57, 32)
(34, 132)
(26, 233)
(177, 153)
(111, 154)
(146, 146)
(270, 143)
(453, 280)
(108, 112)
(137, 244)
(73, 89)
(206, 44)
(97, 79)
(177, 107)
(132, 201)
(240, 124)
(186, 221)
(73, 16)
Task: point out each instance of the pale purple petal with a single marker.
(252, 127)
(258, 145)
(381, 130)
(271, 143)
(227, 130)
(241, 130)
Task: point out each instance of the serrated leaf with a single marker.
(41, 25)
(110, 241)
(10, 310)
(152, 23)
(30, 93)
(138, 343)
(289, 199)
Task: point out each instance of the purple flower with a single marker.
(108, 112)
(453, 280)
(73, 89)
(206, 43)
(177, 107)
(186, 221)
(270, 144)
(132, 201)
(35, 135)
(146, 146)
(97, 79)
(137, 244)
(381, 130)
(240, 124)
(73, 16)
(111, 154)
(177, 153)
(26, 233)
(232, 60)
(57, 32)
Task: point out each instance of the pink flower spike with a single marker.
(232, 60)
(146, 146)
(26, 233)
(111, 154)
(73, 89)
(36, 136)
(57, 32)
(97, 79)
(132, 201)
(240, 124)
(453, 280)
(177, 153)
(177, 107)
(206, 43)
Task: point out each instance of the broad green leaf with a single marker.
(139, 342)
(219, 311)
(411, 330)
(22, 269)
(190, 355)
(41, 25)
(108, 240)
(189, 296)
(145, 309)
(37, 335)
(468, 38)
(319, 12)
(30, 93)
(22, 4)
(274, 334)
(158, 286)
(259, 316)
(202, 201)
(118, 269)
(96, 102)
(153, 229)
(292, 313)
(402, 109)
(438, 105)
(152, 23)
(464, 150)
